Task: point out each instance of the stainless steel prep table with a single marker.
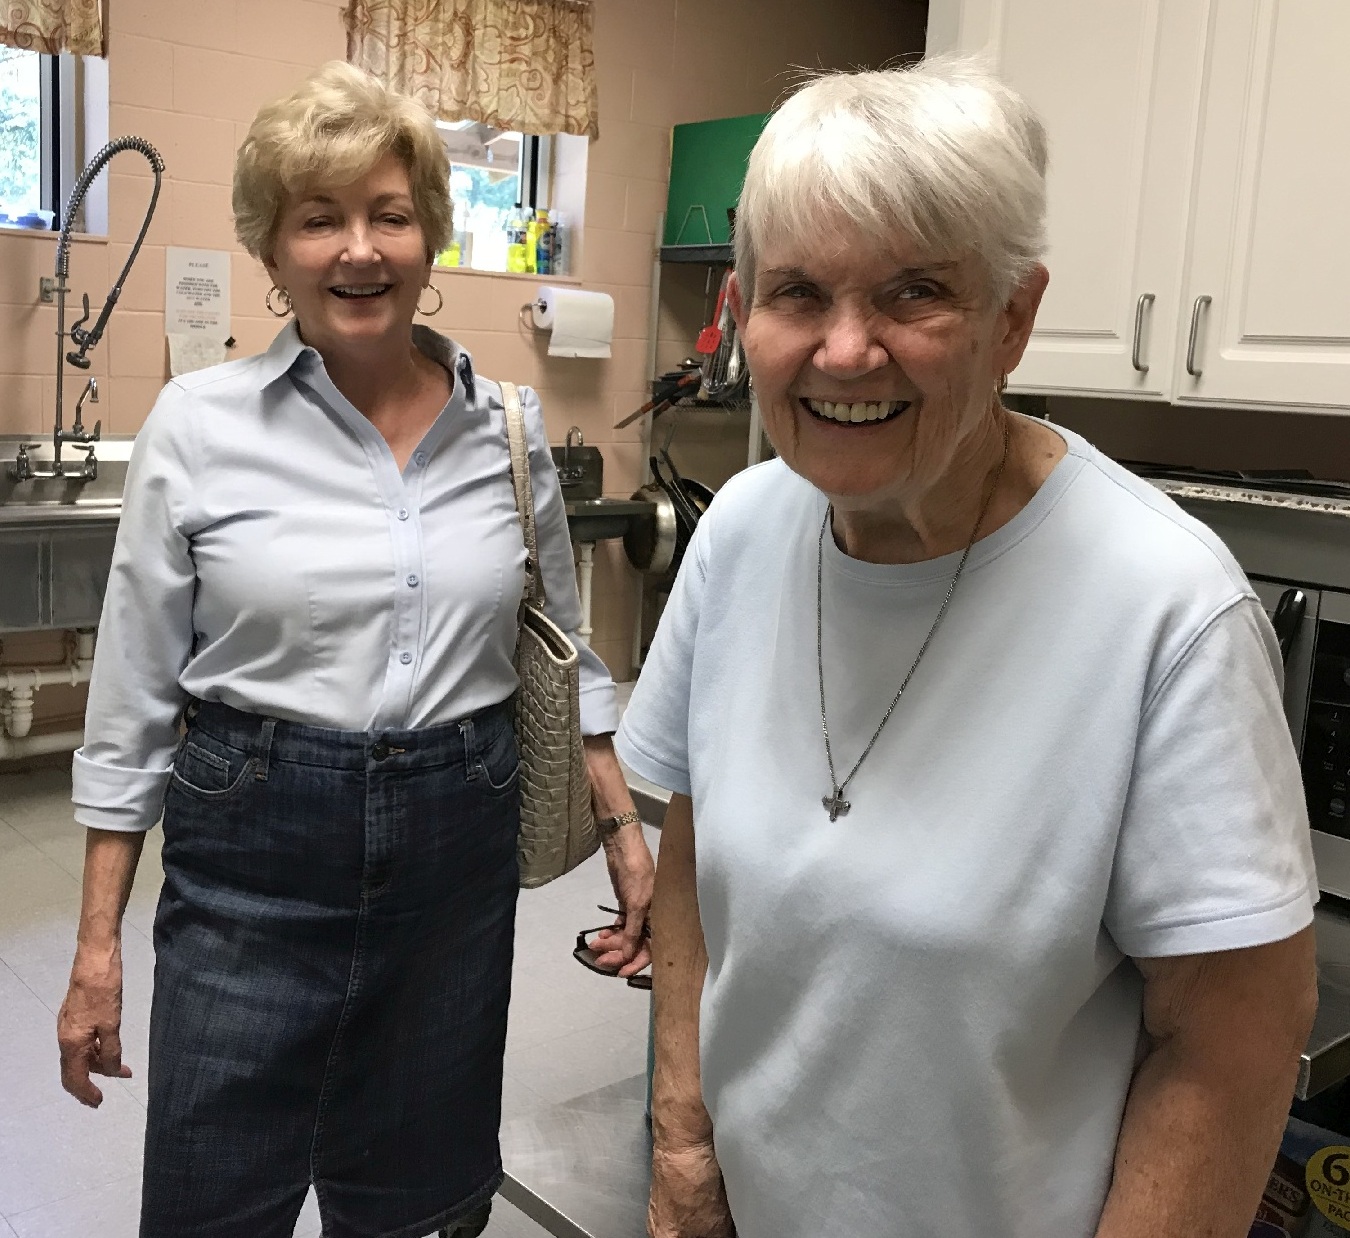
(1326, 1061)
(581, 1169)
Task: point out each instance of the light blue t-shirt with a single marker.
(921, 1019)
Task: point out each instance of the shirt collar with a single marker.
(288, 349)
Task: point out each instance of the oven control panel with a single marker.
(1326, 742)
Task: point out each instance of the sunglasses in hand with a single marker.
(585, 951)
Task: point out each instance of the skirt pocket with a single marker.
(210, 769)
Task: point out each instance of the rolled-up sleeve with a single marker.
(145, 634)
(599, 708)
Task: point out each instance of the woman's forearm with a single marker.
(608, 785)
(1190, 1160)
(110, 859)
(627, 857)
(679, 966)
(1208, 1104)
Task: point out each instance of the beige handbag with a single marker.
(557, 821)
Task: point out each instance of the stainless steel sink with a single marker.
(58, 500)
(598, 520)
(56, 544)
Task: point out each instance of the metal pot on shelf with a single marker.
(657, 546)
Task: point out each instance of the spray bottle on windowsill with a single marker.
(516, 245)
(557, 253)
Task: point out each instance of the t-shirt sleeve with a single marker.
(653, 736)
(1214, 851)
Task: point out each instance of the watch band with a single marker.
(606, 826)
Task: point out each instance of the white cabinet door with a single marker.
(1117, 84)
(1268, 242)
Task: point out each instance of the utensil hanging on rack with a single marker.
(711, 336)
(658, 404)
(715, 364)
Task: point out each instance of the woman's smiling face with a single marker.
(873, 367)
(353, 260)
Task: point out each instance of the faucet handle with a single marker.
(85, 442)
(88, 470)
(22, 468)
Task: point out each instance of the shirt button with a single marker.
(405, 658)
(412, 582)
(403, 513)
(420, 459)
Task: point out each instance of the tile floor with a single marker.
(70, 1172)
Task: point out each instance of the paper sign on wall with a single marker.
(197, 293)
(196, 307)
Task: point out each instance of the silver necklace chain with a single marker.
(835, 803)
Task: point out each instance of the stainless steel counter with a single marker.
(1326, 1061)
(60, 515)
(581, 1169)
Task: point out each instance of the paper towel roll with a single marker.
(582, 323)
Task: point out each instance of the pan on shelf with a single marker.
(656, 546)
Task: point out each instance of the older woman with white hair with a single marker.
(984, 898)
(320, 559)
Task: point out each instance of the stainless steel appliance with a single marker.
(1292, 537)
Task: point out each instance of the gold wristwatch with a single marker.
(606, 826)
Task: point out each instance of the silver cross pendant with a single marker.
(836, 805)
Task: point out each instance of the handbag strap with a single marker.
(520, 480)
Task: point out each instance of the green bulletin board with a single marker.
(707, 169)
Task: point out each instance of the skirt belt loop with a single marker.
(265, 732)
(470, 750)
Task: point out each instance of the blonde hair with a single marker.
(331, 130)
(941, 151)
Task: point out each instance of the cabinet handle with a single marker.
(1145, 299)
(1200, 303)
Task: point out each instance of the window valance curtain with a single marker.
(53, 26)
(526, 65)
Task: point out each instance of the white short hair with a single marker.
(941, 152)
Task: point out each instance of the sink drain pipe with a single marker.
(19, 685)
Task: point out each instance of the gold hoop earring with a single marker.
(440, 301)
(1002, 384)
(285, 302)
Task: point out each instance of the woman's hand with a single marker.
(688, 1199)
(632, 871)
(89, 1026)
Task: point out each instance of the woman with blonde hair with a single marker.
(318, 568)
(985, 895)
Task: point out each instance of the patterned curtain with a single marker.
(527, 65)
(53, 26)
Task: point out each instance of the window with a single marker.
(52, 109)
(25, 134)
(49, 107)
(495, 176)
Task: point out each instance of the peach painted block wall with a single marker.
(189, 75)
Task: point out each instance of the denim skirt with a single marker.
(333, 964)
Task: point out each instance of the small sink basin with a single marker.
(581, 472)
(598, 520)
(47, 499)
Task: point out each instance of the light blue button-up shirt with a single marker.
(272, 556)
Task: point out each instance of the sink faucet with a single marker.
(85, 340)
(89, 393)
(568, 472)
